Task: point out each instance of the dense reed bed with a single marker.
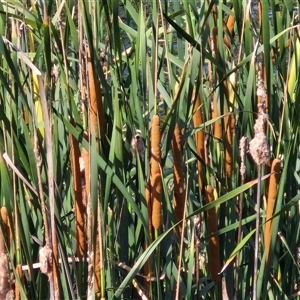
(125, 170)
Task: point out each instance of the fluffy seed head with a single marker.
(137, 144)
(45, 257)
(258, 146)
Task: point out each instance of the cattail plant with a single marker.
(199, 139)
(86, 190)
(79, 205)
(271, 201)
(260, 153)
(258, 146)
(229, 124)
(179, 191)
(96, 118)
(156, 183)
(230, 27)
(93, 107)
(215, 113)
(153, 191)
(213, 243)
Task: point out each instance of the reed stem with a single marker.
(256, 244)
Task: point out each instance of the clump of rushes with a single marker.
(199, 139)
(271, 200)
(260, 153)
(213, 243)
(155, 180)
(179, 192)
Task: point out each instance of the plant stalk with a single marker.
(256, 245)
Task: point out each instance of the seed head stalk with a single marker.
(257, 223)
(242, 146)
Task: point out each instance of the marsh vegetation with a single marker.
(125, 170)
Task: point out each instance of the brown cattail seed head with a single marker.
(156, 181)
